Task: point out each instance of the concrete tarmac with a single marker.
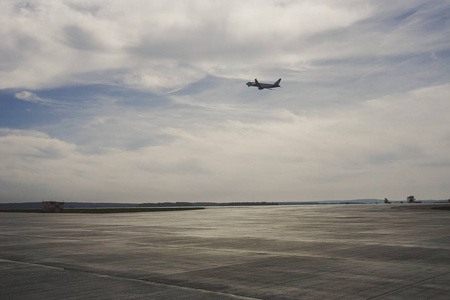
(382, 251)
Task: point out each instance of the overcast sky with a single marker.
(146, 101)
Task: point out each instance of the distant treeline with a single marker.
(168, 204)
(24, 205)
(38, 205)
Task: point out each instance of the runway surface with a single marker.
(278, 252)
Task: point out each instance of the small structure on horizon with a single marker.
(52, 206)
(411, 199)
(386, 201)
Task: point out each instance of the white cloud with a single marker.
(166, 46)
(388, 147)
(361, 112)
(50, 43)
(31, 97)
(163, 76)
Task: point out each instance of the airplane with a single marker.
(261, 85)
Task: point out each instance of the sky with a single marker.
(146, 101)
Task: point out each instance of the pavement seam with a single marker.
(32, 264)
(409, 285)
(71, 269)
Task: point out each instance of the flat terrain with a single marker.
(105, 210)
(278, 252)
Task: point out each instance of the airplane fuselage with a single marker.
(261, 85)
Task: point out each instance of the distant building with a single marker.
(52, 206)
(411, 199)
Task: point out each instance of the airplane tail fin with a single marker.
(277, 82)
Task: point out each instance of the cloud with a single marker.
(387, 147)
(148, 99)
(165, 47)
(424, 20)
(31, 97)
(46, 44)
(78, 38)
(163, 77)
